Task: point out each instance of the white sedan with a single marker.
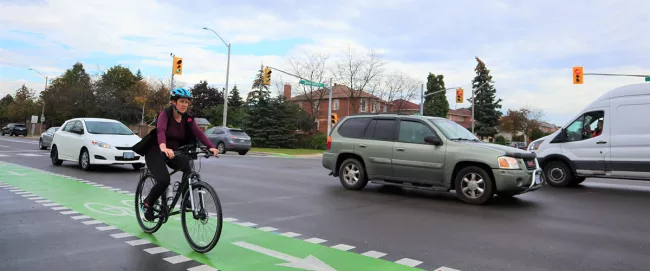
(95, 141)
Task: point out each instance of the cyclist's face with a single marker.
(182, 104)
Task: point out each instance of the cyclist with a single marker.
(174, 128)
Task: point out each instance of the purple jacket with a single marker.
(173, 133)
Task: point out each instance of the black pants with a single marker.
(157, 163)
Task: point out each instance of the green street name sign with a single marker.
(310, 83)
(647, 78)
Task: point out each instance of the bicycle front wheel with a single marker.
(205, 213)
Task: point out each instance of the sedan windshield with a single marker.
(453, 130)
(107, 128)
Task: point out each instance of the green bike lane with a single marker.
(239, 248)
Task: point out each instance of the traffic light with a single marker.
(178, 66)
(459, 95)
(335, 118)
(267, 76)
(578, 76)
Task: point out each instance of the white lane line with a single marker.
(10, 188)
(124, 192)
(246, 224)
(267, 229)
(444, 268)
(29, 154)
(156, 250)
(290, 234)
(409, 262)
(2, 186)
(51, 204)
(44, 201)
(138, 242)
(106, 228)
(60, 208)
(16, 190)
(121, 235)
(374, 254)
(69, 212)
(35, 198)
(92, 222)
(230, 219)
(22, 193)
(84, 181)
(27, 195)
(343, 247)
(115, 189)
(202, 268)
(177, 259)
(315, 240)
(80, 217)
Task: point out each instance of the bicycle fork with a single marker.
(194, 211)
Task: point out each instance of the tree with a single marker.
(512, 122)
(23, 105)
(204, 97)
(487, 112)
(312, 68)
(531, 119)
(4, 106)
(358, 73)
(74, 91)
(235, 99)
(397, 86)
(436, 105)
(259, 91)
(116, 93)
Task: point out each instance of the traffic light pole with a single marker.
(427, 95)
(171, 86)
(329, 110)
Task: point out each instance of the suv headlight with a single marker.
(508, 163)
(101, 144)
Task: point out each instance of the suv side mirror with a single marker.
(433, 140)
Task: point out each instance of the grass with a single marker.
(287, 151)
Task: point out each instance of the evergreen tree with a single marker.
(205, 97)
(487, 112)
(436, 105)
(259, 91)
(138, 75)
(235, 99)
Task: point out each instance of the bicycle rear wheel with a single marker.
(140, 195)
(203, 193)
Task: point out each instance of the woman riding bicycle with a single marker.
(174, 128)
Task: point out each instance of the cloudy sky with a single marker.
(530, 46)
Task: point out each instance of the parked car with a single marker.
(95, 141)
(46, 138)
(427, 153)
(518, 145)
(14, 129)
(606, 139)
(229, 139)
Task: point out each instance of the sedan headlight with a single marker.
(508, 163)
(101, 144)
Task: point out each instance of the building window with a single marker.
(460, 119)
(374, 106)
(335, 104)
(385, 107)
(362, 105)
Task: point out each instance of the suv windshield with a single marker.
(107, 128)
(453, 130)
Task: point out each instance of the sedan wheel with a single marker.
(84, 160)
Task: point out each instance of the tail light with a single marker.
(329, 142)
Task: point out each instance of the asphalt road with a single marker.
(601, 225)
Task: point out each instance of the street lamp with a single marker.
(473, 120)
(43, 101)
(225, 94)
(422, 97)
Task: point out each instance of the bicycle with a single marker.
(161, 207)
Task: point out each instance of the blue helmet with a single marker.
(180, 93)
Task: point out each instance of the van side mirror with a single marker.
(433, 140)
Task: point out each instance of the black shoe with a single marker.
(148, 212)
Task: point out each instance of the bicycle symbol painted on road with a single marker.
(112, 210)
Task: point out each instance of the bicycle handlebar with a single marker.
(191, 151)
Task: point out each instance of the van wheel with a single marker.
(353, 174)
(558, 174)
(474, 185)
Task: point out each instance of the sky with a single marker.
(529, 46)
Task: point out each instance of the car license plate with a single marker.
(128, 155)
(538, 178)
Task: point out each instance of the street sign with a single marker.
(647, 78)
(310, 83)
(34, 119)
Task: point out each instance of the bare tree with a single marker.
(396, 86)
(357, 73)
(312, 68)
(530, 119)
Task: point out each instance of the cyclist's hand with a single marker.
(168, 152)
(215, 152)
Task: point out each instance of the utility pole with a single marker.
(422, 100)
(329, 110)
(43, 101)
(225, 92)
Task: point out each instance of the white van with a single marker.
(620, 150)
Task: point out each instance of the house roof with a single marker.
(340, 91)
(402, 104)
(460, 112)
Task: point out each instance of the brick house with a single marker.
(342, 105)
(405, 107)
(461, 116)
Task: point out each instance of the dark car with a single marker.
(14, 129)
(229, 139)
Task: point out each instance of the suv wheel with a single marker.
(352, 174)
(473, 185)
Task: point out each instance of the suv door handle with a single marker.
(601, 142)
(362, 145)
(400, 149)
